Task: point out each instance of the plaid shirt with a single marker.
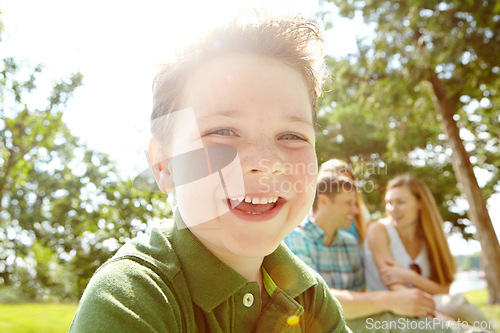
(340, 264)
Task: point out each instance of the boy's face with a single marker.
(261, 108)
(342, 209)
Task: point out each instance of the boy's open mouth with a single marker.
(254, 206)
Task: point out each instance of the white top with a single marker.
(400, 255)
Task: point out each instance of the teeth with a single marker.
(256, 201)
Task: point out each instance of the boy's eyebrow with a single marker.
(233, 113)
(295, 119)
(222, 113)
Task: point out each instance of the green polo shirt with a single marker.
(170, 282)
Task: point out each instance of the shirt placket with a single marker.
(281, 314)
(247, 307)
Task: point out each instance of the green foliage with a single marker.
(473, 262)
(63, 208)
(31, 318)
(378, 107)
(480, 299)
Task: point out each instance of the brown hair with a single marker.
(443, 266)
(341, 168)
(292, 40)
(331, 185)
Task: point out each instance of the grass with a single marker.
(36, 317)
(480, 299)
(56, 317)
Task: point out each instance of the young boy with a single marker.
(233, 137)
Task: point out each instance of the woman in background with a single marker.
(409, 249)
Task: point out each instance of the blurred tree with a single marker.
(427, 60)
(63, 208)
(472, 262)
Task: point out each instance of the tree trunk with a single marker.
(477, 213)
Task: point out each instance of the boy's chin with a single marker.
(255, 250)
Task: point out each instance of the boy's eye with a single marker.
(292, 136)
(223, 132)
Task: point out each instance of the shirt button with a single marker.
(248, 300)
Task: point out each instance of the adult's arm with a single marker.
(379, 244)
(404, 302)
(394, 274)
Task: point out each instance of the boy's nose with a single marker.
(261, 158)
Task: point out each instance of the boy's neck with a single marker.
(248, 267)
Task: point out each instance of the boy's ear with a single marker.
(160, 166)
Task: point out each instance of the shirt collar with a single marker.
(197, 262)
(288, 272)
(338, 238)
(314, 231)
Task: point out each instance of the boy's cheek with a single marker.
(202, 200)
(232, 179)
(307, 169)
(312, 177)
(205, 196)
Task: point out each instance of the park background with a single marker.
(76, 98)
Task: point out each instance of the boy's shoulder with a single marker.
(153, 251)
(137, 280)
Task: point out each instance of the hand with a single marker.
(411, 302)
(393, 273)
